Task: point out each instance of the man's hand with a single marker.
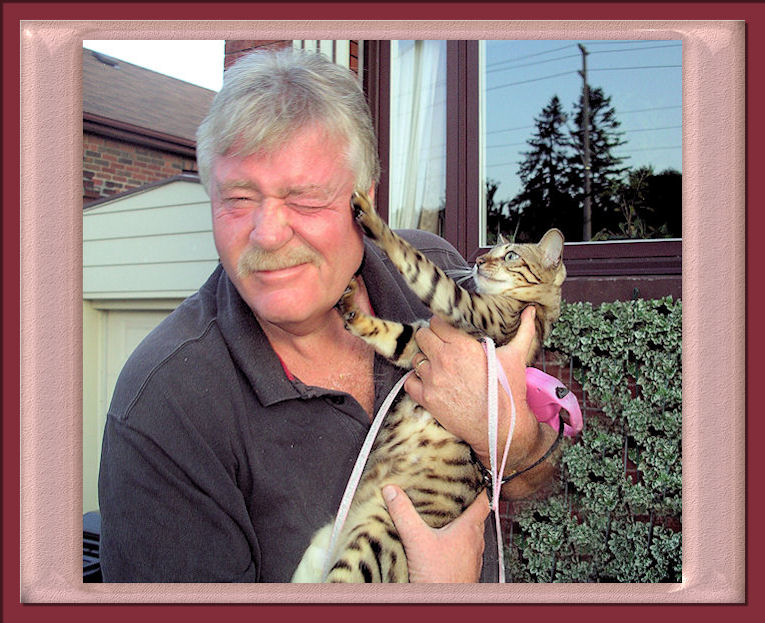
(449, 554)
(452, 385)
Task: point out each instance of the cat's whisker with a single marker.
(460, 275)
(457, 272)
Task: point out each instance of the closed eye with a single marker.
(238, 201)
(306, 207)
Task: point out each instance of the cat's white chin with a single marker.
(486, 285)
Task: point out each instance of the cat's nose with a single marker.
(480, 260)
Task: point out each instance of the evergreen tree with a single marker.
(545, 201)
(605, 168)
(625, 203)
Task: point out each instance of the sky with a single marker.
(642, 78)
(199, 62)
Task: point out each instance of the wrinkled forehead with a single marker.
(293, 173)
(269, 147)
(261, 143)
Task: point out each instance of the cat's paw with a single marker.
(311, 567)
(365, 215)
(360, 205)
(347, 303)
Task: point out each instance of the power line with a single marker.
(628, 112)
(625, 41)
(655, 148)
(522, 65)
(521, 127)
(494, 165)
(640, 67)
(518, 58)
(495, 66)
(627, 131)
(648, 47)
(511, 84)
(500, 164)
(507, 145)
(619, 113)
(567, 73)
(666, 127)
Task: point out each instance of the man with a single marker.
(234, 426)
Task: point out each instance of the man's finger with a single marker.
(477, 512)
(444, 331)
(473, 520)
(402, 512)
(525, 336)
(415, 388)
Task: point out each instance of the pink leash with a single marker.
(358, 469)
(497, 373)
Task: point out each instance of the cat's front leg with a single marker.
(366, 216)
(393, 340)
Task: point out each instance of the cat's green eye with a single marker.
(512, 256)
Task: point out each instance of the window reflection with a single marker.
(616, 177)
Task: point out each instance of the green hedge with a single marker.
(615, 511)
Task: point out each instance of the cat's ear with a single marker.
(501, 239)
(552, 247)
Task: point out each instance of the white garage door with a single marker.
(120, 332)
(124, 331)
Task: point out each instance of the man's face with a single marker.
(283, 228)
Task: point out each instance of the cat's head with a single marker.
(528, 272)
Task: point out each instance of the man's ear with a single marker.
(371, 194)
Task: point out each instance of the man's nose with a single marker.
(270, 227)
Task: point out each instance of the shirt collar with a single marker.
(252, 352)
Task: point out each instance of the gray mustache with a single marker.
(253, 260)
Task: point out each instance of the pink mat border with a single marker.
(51, 315)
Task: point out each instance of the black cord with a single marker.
(554, 445)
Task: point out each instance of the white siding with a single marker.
(152, 244)
(143, 253)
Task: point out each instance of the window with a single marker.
(475, 111)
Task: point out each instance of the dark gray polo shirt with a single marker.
(216, 465)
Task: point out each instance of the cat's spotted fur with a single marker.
(436, 470)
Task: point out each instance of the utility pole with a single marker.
(587, 213)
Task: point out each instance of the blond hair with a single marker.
(268, 96)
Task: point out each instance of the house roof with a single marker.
(132, 96)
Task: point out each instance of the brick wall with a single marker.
(112, 166)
